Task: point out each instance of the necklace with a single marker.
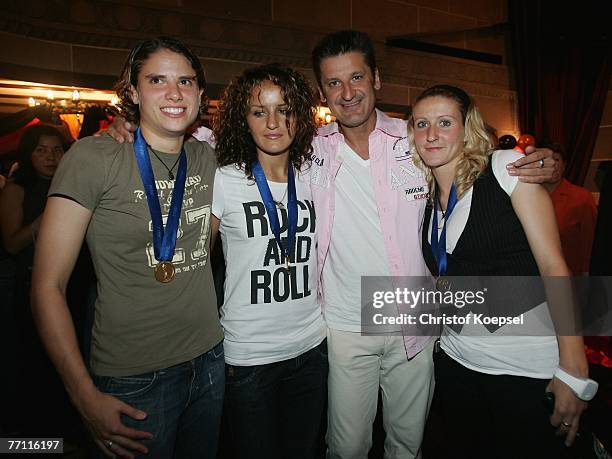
(441, 224)
(169, 169)
(279, 203)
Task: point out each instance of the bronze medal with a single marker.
(165, 272)
(443, 284)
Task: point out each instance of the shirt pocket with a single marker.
(320, 177)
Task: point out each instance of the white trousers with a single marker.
(358, 366)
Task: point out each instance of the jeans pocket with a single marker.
(126, 386)
(217, 351)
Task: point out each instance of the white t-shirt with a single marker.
(356, 247)
(494, 353)
(268, 315)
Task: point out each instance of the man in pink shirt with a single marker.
(369, 199)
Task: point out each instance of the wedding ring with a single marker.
(566, 424)
(109, 444)
(541, 163)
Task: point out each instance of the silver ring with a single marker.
(566, 424)
(541, 163)
(109, 444)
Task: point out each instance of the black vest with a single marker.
(493, 243)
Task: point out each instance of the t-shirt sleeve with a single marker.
(203, 134)
(499, 160)
(218, 203)
(81, 175)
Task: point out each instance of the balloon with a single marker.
(525, 140)
(507, 142)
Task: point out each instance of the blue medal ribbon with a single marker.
(164, 241)
(266, 196)
(438, 247)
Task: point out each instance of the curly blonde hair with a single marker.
(477, 142)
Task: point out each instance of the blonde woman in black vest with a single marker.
(486, 223)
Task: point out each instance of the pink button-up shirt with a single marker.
(401, 194)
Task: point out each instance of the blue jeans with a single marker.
(183, 402)
(277, 410)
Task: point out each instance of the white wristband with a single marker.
(584, 388)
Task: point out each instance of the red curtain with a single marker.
(562, 65)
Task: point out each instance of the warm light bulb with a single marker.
(76, 96)
(50, 95)
(31, 102)
(323, 114)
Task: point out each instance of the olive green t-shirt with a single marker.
(140, 324)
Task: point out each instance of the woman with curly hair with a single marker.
(486, 223)
(275, 348)
(40, 150)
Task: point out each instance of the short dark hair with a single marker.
(345, 41)
(556, 147)
(234, 143)
(136, 59)
(26, 174)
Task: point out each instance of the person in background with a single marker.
(22, 202)
(275, 348)
(576, 215)
(486, 223)
(156, 383)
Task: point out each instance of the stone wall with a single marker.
(85, 42)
